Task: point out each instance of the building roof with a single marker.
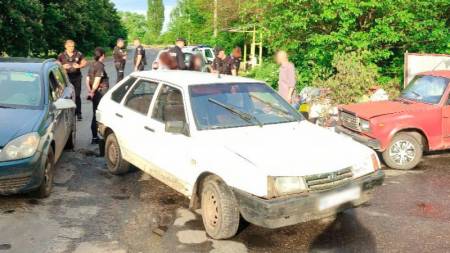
(186, 78)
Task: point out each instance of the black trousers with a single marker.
(76, 82)
(120, 67)
(95, 101)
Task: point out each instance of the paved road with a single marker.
(93, 211)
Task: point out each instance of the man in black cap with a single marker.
(178, 54)
(120, 58)
(73, 61)
(139, 56)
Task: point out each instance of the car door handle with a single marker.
(149, 129)
(119, 115)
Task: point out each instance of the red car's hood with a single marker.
(374, 109)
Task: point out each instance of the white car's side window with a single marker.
(169, 105)
(141, 95)
(121, 91)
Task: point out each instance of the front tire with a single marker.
(404, 152)
(46, 186)
(220, 212)
(114, 160)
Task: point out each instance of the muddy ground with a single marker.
(93, 211)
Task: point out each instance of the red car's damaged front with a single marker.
(401, 129)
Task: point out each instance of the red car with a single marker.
(402, 129)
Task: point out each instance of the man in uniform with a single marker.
(177, 54)
(73, 61)
(139, 56)
(223, 64)
(120, 58)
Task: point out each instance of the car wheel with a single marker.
(114, 160)
(404, 152)
(46, 186)
(220, 212)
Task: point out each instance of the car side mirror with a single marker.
(177, 127)
(64, 103)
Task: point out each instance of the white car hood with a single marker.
(294, 149)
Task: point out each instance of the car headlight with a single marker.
(22, 147)
(364, 125)
(368, 165)
(279, 186)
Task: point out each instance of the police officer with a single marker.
(73, 61)
(177, 53)
(120, 58)
(223, 64)
(97, 84)
(139, 56)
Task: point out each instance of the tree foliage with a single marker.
(36, 27)
(315, 32)
(155, 17)
(135, 24)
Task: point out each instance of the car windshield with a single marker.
(217, 106)
(20, 89)
(426, 89)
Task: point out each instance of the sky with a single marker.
(140, 6)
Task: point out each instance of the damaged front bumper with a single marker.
(290, 210)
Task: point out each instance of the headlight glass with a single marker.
(368, 165)
(20, 148)
(364, 125)
(279, 186)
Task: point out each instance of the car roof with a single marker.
(23, 64)
(185, 78)
(436, 73)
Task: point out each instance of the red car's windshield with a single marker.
(426, 89)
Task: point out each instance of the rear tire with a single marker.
(220, 211)
(46, 186)
(114, 160)
(404, 152)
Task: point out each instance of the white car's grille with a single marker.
(350, 121)
(326, 181)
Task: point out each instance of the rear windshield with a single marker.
(20, 89)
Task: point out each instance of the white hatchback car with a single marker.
(235, 148)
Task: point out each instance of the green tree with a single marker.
(155, 18)
(135, 24)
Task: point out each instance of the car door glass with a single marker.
(121, 91)
(56, 90)
(169, 105)
(141, 95)
(208, 54)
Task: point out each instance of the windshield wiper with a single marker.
(243, 115)
(6, 107)
(272, 106)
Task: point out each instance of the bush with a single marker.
(268, 73)
(353, 77)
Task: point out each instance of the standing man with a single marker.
(120, 58)
(287, 77)
(73, 61)
(223, 64)
(178, 54)
(139, 56)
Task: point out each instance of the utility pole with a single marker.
(215, 18)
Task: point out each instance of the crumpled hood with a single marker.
(295, 149)
(374, 109)
(17, 122)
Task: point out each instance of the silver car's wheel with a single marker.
(404, 152)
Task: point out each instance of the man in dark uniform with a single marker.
(139, 56)
(177, 54)
(120, 58)
(223, 64)
(73, 61)
(97, 84)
